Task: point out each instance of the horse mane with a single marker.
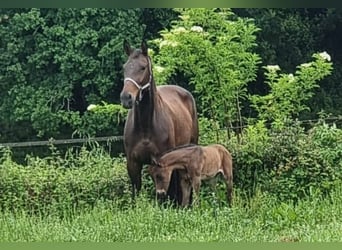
(176, 148)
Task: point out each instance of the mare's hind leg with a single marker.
(134, 173)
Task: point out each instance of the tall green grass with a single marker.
(261, 219)
(85, 196)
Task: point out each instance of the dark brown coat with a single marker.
(160, 118)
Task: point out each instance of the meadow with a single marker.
(85, 197)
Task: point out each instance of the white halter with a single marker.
(141, 88)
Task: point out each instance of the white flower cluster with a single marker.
(159, 69)
(306, 65)
(179, 30)
(168, 43)
(325, 56)
(272, 67)
(91, 107)
(291, 78)
(196, 29)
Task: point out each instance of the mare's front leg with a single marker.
(134, 172)
(186, 191)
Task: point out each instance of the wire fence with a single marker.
(107, 139)
(117, 138)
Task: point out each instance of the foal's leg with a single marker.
(196, 183)
(229, 185)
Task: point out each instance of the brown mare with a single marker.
(195, 163)
(160, 118)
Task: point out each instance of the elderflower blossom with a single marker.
(291, 78)
(168, 43)
(91, 107)
(150, 51)
(306, 65)
(272, 67)
(325, 56)
(159, 69)
(179, 30)
(196, 29)
(185, 17)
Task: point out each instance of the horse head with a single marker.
(161, 177)
(137, 75)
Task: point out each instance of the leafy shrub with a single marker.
(77, 179)
(289, 162)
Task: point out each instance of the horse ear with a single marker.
(150, 169)
(144, 48)
(154, 160)
(127, 47)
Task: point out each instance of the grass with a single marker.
(85, 198)
(262, 219)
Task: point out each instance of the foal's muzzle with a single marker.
(161, 194)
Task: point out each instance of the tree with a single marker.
(214, 49)
(289, 37)
(290, 92)
(55, 62)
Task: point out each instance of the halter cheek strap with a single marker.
(138, 86)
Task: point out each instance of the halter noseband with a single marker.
(141, 88)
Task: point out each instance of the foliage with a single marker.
(55, 62)
(290, 36)
(284, 179)
(289, 92)
(101, 119)
(79, 179)
(288, 162)
(213, 48)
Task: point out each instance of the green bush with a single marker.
(77, 179)
(289, 162)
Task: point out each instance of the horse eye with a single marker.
(142, 68)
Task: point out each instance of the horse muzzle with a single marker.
(126, 100)
(161, 193)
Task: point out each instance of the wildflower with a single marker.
(272, 67)
(306, 65)
(291, 78)
(196, 29)
(325, 56)
(91, 107)
(185, 17)
(179, 30)
(168, 43)
(150, 51)
(159, 69)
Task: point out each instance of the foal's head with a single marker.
(161, 177)
(137, 75)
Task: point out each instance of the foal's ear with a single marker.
(150, 170)
(154, 160)
(127, 47)
(144, 48)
